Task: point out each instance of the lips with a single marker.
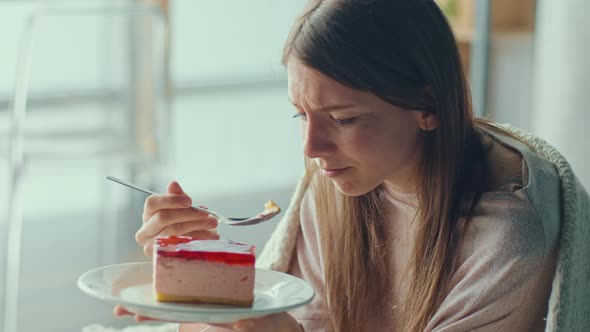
(334, 172)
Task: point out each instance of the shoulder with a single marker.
(530, 207)
(504, 226)
(503, 255)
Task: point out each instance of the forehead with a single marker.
(309, 86)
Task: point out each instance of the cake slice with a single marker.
(203, 271)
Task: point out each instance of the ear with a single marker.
(427, 121)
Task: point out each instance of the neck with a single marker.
(402, 188)
(405, 179)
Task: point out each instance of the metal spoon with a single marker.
(270, 208)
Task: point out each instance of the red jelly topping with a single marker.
(223, 251)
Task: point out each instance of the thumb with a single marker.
(174, 188)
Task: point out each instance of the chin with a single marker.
(351, 189)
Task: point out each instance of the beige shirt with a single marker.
(507, 259)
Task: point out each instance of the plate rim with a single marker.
(189, 310)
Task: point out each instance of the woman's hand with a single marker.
(282, 322)
(171, 214)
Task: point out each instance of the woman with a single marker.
(416, 217)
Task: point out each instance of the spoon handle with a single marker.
(149, 192)
(133, 186)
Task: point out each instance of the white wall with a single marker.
(510, 79)
(228, 40)
(562, 79)
(65, 58)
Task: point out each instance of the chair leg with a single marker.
(13, 248)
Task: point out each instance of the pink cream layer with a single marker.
(204, 279)
(185, 266)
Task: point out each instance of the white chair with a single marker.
(134, 137)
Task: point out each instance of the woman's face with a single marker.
(358, 140)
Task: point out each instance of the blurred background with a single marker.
(153, 91)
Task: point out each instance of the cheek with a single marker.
(386, 148)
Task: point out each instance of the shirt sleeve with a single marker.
(504, 276)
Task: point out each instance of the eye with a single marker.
(301, 115)
(345, 121)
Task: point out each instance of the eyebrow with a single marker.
(327, 108)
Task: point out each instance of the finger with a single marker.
(120, 311)
(281, 321)
(166, 218)
(210, 234)
(246, 325)
(249, 325)
(197, 327)
(140, 318)
(194, 228)
(148, 249)
(174, 188)
(225, 326)
(155, 203)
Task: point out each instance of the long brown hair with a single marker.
(404, 52)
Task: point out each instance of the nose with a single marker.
(317, 140)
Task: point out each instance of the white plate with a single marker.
(130, 285)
